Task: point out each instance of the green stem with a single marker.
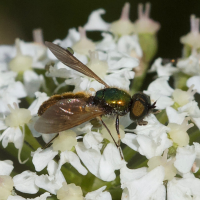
(138, 80)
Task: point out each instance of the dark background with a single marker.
(19, 17)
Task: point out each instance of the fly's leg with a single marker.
(48, 144)
(120, 151)
(117, 129)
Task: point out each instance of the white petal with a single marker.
(98, 195)
(48, 137)
(41, 158)
(195, 80)
(32, 82)
(25, 182)
(159, 90)
(117, 60)
(106, 44)
(34, 107)
(160, 193)
(45, 183)
(12, 135)
(148, 183)
(110, 161)
(183, 188)
(90, 158)
(73, 159)
(196, 121)
(93, 140)
(130, 140)
(128, 43)
(185, 157)
(161, 85)
(6, 167)
(31, 125)
(2, 125)
(174, 116)
(95, 22)
(151, 140)
(17, 89)
(41, 197)
(15, 198)
(54, 172)
(162, 101)
(128, 175)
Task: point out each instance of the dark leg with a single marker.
(48, 144)
(112, 138)
(117, 129)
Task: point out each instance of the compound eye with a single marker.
(137, 110)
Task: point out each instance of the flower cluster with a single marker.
(154, 161)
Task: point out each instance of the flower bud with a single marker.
(6, 186)
(123, 26)
(20, 63)
(70, 192)
(178, 132)
(65, 141)
(84, 45)
(170, 170)
(18, 116)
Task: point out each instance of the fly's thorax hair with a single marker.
(57, 97)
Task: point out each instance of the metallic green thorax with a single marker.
(113, 100)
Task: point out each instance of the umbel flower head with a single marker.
(156, 161)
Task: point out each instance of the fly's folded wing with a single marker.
(66, 114)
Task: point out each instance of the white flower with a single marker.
(193, 38)
(194, 80)
(174, 116)
(170, 170)
(123, 26)
(73, 159)
(185, 103)
(7, 77)
(64, 143)
(16, 119)
(41, 158)
(178, 132)
(95, 22)
(140, 184)
(25, 182)
(34, 107)
(6, 167)
(23, 62)
(52, 182)
(150, 140)
(129, 44)
(188, 158)
(144, 24)
(190, 65)
(183, 188)
(10, 93)
(98, 195)
(117, 70)
(6, 53)
(160, 91)
(102, 166)
(84, 45)
(163, 70)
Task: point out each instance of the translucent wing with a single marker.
(68, 59)
(66, 114)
